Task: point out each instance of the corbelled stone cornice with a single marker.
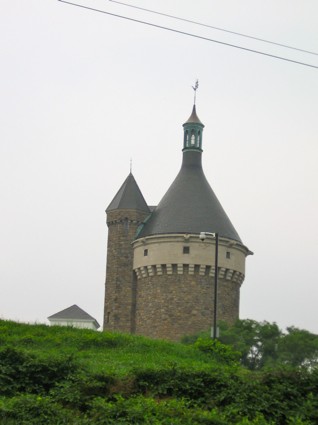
(191, 269)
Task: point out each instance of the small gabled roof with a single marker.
(129, 196)
(73, 313)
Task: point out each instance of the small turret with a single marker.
(193, 129)
(125, 213)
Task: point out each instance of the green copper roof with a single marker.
(129, 196)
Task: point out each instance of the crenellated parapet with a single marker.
(227, 274)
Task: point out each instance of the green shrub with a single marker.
(24, 372)
(221, 352)
(34, 410)
(198, 386)
(277, 396)
(80, 390)
(142, 410)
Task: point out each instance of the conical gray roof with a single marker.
(129, 196)
(190, 205)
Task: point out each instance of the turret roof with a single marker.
(193, 117)
(128, 196)
(190, 205)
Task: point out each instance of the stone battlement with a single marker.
(191, 269)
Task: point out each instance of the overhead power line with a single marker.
(213, 27)
(188, 34)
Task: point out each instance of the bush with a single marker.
(142, 410)
(34, 410)
(80, 390)
(220, 352)
(198, 386)
(24, 372)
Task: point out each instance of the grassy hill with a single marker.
(57, 375)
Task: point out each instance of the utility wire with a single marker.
(215, 28)
(188, 34)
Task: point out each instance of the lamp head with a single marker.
(202, 236)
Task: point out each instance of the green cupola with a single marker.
(193, 129)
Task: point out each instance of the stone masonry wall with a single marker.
(172, 305)
(119, 286)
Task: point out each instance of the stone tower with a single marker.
(125, 213)
(164, 273)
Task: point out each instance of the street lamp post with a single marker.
(216, 262)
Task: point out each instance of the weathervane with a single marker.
(195, 88)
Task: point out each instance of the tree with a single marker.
(298, 348)
(257, 341)
(264, 344)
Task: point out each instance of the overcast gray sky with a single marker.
(81, 93)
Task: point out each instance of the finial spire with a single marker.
(195, 88)
(130, 165)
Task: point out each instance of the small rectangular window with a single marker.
(145, 252)
(228, 255)
(186, 250)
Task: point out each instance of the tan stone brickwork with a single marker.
(148, 295)
(119, 286)
(170, 306)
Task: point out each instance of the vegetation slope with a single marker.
(58, 375)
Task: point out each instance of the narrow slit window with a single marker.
(198, 140)
(145, 252)
(228, 255)
(192, 138)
